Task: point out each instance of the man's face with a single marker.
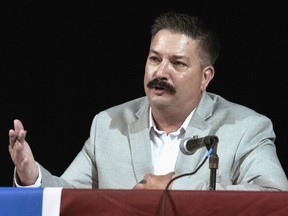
(173, 60)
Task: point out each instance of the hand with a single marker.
(21, 155)
(155, 182)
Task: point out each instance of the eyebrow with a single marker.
(173, 56)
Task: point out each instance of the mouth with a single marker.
(159, 88)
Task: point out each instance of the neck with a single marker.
(169, 122)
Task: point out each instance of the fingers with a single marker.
(142, 184)
(12, 138)
(143, 181)
(172, 174)
(18, 126)
(18, 134)
(148, 177)
(151, 181)
(20, 137)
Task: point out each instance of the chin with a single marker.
(159, 101)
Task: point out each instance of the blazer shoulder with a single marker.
(127, 110)
(226, 107)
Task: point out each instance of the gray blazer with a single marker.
(118, 153)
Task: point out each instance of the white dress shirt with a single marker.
(165, 147)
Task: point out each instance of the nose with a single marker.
(163, 69)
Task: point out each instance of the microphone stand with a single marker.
(213, 165)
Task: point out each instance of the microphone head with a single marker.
(189, 146)
(183, 147)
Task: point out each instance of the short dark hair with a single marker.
(194, 27)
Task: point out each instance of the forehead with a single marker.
(166, 41)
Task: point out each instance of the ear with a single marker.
(207, 76)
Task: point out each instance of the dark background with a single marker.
(64, 61)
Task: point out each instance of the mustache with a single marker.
(161, 84)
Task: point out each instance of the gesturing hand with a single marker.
(156, 182)
(21, 155)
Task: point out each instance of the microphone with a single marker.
(189, 146)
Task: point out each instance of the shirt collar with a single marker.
(184, 125)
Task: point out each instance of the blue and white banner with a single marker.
(30, 201)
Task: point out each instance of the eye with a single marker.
(179, 64)
(154, 59)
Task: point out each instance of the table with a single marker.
(86, 202)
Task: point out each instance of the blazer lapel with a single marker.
(198, 126)
(140, 143)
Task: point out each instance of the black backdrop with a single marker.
(64, 61)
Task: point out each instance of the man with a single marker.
(136, 144)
